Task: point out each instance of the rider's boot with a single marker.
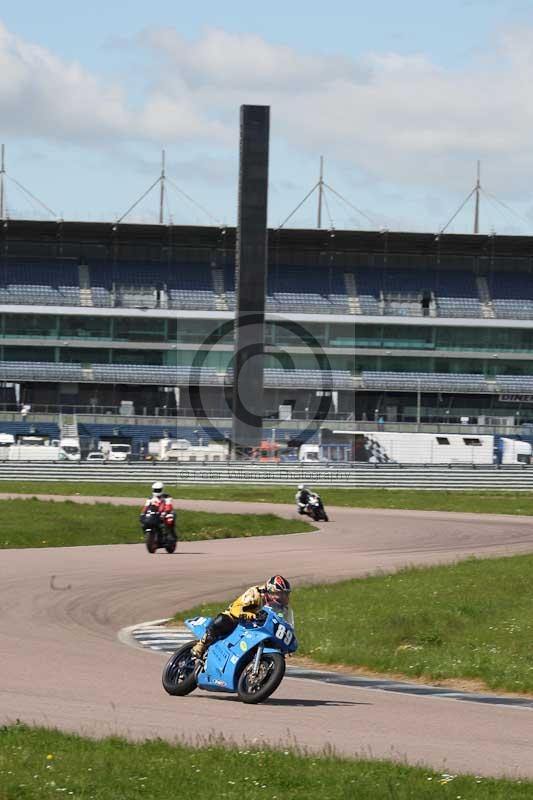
(199, 649)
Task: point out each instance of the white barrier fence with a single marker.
(358, 476)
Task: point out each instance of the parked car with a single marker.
(96, 458)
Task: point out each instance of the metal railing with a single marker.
(357, 477)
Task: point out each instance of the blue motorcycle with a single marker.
(250, 661)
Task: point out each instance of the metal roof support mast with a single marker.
(478, 190)
(162, 180)
(320, 192)
(162, 189)
(2, 173)
(322, 186)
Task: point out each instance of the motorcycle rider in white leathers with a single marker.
(302, 497)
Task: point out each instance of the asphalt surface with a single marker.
(62, 665)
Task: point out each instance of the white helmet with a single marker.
(157, 487)
(301, 487)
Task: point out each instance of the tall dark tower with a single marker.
(250, 279)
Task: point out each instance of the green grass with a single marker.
(39, 764)
(488, 502)
(40, 523)
(472, 620)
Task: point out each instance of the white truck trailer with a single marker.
(35, 452)
(392, 447)
(31, 448)
(183, 451)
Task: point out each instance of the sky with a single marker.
(401, 99)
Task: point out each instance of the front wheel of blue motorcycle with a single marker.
(256, 688)
(179, 674)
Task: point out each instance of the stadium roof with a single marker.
(107, 233)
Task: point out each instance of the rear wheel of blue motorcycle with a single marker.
(271, 672)
(179, 674)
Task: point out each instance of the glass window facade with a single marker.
(28, 353)
(83, 355)
(84, 327)
(479, 349)
(18, 325)
(285, 334)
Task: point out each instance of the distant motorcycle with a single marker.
(250, 661)
(315, 509)
(157, 535)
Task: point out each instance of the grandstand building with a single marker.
(360, 325)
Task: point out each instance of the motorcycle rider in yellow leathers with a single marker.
(275, 592)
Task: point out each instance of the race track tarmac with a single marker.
(62, 664)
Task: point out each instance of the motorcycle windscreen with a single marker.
(285, 612)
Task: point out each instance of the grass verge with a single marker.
(472, 620)
(41, 523)
(39, 764)
(487, 502)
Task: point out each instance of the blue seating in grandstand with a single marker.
(143, 374)
(139, 274)
(140, 374)
(45, 283)
(50, 429)
(309, 378)
(299, 289)
(399, 291)
(337, 293)
(126, 284)
(302, 289)
(411, 381)
(140, 435)
(40, 371)
(511, 286)
(515, 383)
(152, 374)
(512, 294)
(133, 285)
(191, 286)
(456, 283)
(39, 273)
(513, 309)
(457, 295)
(101, 283)
(368, 285)
(290, 288)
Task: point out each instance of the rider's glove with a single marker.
(247, 616)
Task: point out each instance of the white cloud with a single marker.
(399, 119)
(42, 96)
(403, 119)
(229, 61)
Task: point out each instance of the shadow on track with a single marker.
(287, 702)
